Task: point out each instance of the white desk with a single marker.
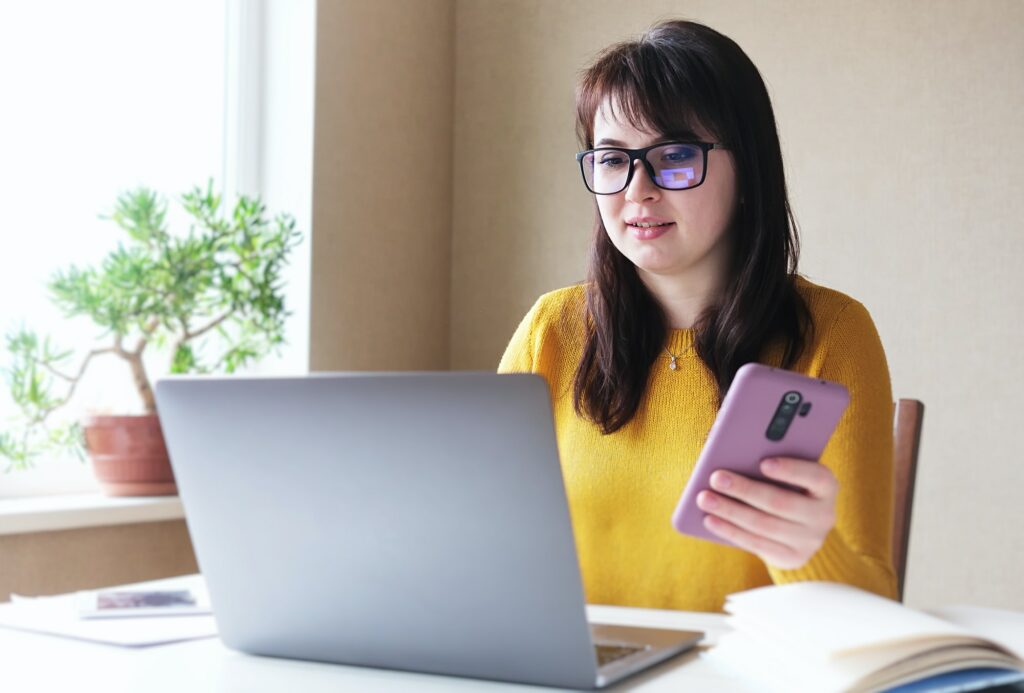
(31, 662)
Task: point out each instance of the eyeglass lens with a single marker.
(676, 167)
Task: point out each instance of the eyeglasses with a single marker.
(671, 165)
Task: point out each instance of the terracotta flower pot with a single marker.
(129, 456)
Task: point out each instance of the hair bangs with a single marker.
(635, 86)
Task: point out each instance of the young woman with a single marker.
(692, 274)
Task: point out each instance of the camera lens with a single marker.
(791, 397)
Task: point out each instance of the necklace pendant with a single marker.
(673, 365)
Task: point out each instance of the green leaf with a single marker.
(184, 360)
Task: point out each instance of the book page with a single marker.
(771, 667)
(827, 620)
(999, 625)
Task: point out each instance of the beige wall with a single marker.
(383, 122)
(901, 130)
(39, 563)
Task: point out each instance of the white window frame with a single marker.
(244, 88)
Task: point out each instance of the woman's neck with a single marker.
(683, 298)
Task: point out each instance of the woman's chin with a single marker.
(654, 263)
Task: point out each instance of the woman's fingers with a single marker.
(771, 552)
(818, 479)
(784, 527)
(757, 522)
(784, 503)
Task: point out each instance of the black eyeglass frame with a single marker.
(641, 154)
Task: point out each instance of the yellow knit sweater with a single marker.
(623, 487)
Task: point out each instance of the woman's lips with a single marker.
(650, 233)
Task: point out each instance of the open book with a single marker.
(824, 636)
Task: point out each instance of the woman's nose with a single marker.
(641, 187)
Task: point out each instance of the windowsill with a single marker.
(51, 513)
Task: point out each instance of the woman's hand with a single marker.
(785, 528)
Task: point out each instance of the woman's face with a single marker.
(694, 240)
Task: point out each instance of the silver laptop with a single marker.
(411, 521)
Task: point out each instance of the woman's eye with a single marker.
(677, 155)
(610, 161)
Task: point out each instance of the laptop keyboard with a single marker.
(610, 653)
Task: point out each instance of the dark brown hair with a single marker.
(677, 75)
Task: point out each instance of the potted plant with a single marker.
(210, 297)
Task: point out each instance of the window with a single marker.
(104, 96)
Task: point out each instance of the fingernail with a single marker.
(706, 500)
(770, 466)
(721, 480)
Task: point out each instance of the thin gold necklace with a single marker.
(672, 357)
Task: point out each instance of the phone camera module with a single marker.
(784, 413)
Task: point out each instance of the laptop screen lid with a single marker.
(413, 521)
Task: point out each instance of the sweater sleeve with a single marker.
(519, 354)
(858, 549)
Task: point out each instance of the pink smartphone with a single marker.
(767, 412)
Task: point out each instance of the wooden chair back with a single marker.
(909, 414)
